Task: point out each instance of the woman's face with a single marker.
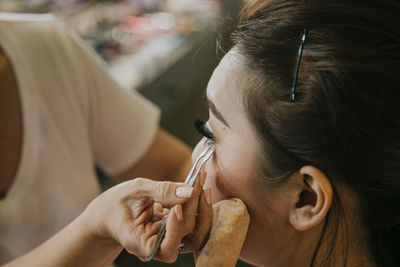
(231, 172)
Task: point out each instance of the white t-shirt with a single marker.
(74, 116)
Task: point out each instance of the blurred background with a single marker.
(164, 49)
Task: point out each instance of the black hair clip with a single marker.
(296, 74)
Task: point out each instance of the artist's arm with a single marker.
(124, 216)
(72, 246)
(167, 159)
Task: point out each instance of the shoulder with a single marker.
(18, 24)
(35, 31)
(25, 17)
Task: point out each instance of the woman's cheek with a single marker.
(212, 182)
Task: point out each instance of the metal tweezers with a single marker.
(190, 180)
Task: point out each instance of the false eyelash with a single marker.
(203, 129)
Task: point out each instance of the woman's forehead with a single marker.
(226, 81)
(226, 90)
(223, 89)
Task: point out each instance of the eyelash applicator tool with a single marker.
(191, 178)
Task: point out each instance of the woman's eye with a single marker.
(203, 129)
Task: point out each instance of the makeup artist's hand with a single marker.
(198, 214)
(130, 215)
(188, 224)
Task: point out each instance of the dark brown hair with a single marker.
(346, 117)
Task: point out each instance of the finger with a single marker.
(144, 216)
(166, 193)
(198, 185)
(203, 178)
(140, 239)
(157, 208)
(137, 206)
(165, 212)
(199, 237)
(161, 215)
(146, 247)
(189, 215)
(169, 247)
(169, 193)
(153, 228)
(191, 207)
(158, 211)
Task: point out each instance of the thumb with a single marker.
(166, 193)
(169, 193)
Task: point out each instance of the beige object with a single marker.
(74, 114)
(228, 231)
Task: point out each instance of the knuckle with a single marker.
(139, 181)
(157, 188)
(169, 188)
(163, 189)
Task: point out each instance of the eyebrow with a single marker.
(216, 112)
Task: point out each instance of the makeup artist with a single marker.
(61, 115)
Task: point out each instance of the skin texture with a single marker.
(125, 216)
(231, 170)
(285, 222)
(228, 231)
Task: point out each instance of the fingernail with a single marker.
(208, 195)
(184, 192)
(178, 212)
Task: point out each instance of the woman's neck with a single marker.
(346, 242)
(349, 248)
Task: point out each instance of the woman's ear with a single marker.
(313, 199)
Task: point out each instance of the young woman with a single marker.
(305, 119)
